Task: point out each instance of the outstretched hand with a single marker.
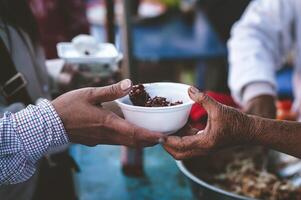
(88, 122)
(226, 126)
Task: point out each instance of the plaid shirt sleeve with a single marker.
(25, 137)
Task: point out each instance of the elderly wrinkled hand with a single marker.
(226, 126)
(88, 122)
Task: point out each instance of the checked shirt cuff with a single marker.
(40, 128)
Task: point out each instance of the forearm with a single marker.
(284, 136)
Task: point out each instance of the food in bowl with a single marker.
(140, 97)
(149, 115)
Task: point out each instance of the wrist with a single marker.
(259, 130)
(39, 128)
(242, 128)
(254, 128)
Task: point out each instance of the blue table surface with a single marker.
(101, 178)
(172, 39)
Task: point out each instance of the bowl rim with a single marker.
(195, 179)
(132, 107)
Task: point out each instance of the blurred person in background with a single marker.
(59, 21)
(221, 14)
(268, 32)
(24, 79)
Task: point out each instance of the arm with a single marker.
(78, 116)
(259, 42)
(228, 127)
(25, 137)
(284, 136)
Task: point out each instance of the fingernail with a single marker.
(161, 140)
(125, 84)
(194, 90)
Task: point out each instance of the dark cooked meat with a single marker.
(140, 97)
(157, 102)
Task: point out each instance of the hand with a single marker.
(263, 106)
(87, 122)
(226, 127)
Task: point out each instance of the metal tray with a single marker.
(205, 191)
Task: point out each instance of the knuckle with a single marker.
(131, 144)
(101, 123)
(91, 92)
(134, 140)
(180, 147)
(211, 144)
(113, 90)
(205, 98)
(201, 98)
(108, 119)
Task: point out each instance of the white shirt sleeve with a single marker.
(256, 89)
(258, 45)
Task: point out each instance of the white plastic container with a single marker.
(106, 53)
(99, 59)
(166, 120)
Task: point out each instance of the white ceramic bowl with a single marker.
(166, 120)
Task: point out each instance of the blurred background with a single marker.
(162, 40)
(157, 40)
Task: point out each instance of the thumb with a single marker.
(207, 102)
(111, 92)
